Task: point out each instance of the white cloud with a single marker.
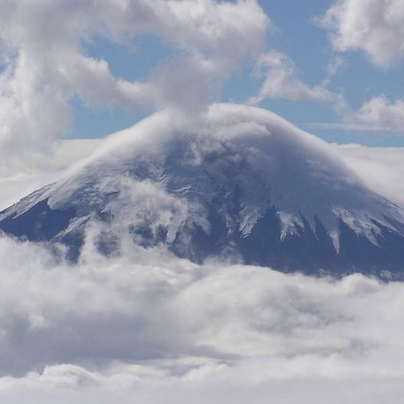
(379, 114)
(375, 27)
(24, 180)
(382, 169)
(282, 82)
(381, 111)
(46, 65)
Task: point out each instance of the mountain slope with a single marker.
(239, 183)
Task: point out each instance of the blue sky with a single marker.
(296, 35)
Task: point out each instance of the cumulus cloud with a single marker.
(46, 65)
(378, 114)
(383, 112)
(281, 81)
(375, 27)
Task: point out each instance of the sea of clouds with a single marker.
(150, 327)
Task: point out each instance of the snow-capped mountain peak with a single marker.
(239, 179)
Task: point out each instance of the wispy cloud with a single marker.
(281, 81)
(347, 127)
(334, 66)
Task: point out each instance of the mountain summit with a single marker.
(238, 183)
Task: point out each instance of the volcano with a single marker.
(237, 183)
